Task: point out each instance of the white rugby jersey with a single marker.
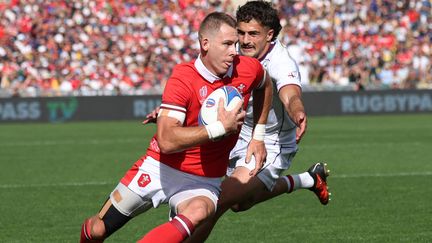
(283, 70)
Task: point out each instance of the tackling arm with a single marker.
(290, 95)
(262, 101)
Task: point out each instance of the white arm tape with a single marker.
(215, 130)
(179, 115)
(259, 132)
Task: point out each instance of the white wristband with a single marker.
(215, 130)
(259, 132)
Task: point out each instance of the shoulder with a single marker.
(182, 76)
(185, 68)
(184, 72)
(245, 62)
(280, 54)
(246, 59)
(282, 68)
(280, 60)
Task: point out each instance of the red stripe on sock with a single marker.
(86, 236)
(87, 229)
(187, 222)
(291, 186)
(177, 222)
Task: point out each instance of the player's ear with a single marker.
(270, 34)
(205, 43)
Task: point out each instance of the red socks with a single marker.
(86, 235)
(177, 230)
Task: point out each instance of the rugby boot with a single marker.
(319, 173)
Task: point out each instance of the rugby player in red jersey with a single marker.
(185, 162)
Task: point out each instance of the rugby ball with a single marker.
(209, 108)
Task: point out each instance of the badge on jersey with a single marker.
(144, 180)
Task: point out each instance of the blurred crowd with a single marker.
(125, 47)
(363, 44)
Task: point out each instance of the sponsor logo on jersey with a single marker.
(144, 180)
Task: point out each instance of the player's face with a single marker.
(254, 38)
(221, 50)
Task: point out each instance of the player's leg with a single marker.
(314, 179)
(235, 188)
(190, 209)
(126, 201)
(122, 206)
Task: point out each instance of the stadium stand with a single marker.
(112, 47)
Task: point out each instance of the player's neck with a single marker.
(208, 65)
(264, 51)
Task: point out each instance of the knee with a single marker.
(240, 207)
(198, 210)
(236, 208)
(97, 228)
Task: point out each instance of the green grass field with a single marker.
(52, 176)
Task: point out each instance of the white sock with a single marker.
(303, 180)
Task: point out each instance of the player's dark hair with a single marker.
(263, 12)
(213, 22)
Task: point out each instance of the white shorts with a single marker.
(276, 162)
(155, 183)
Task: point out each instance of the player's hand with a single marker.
(152, 116)
(258, 150)
(301, 121)
(232, 120)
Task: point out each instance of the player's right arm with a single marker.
(287, 77)
(290, 95)
(173, 137)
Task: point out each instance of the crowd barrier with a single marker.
(327, 103)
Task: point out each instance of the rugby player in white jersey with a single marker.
(258, 26)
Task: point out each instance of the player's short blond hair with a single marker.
(212, 23)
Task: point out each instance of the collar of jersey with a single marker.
(209, 76)
(272, 45)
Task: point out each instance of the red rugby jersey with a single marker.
(185, 91)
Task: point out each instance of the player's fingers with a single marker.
(300, 131)
(299, 134)
(254, 172)
(152, 116)
(156, 110)
(248, 156)
(240, 116)
(221, 104)
(237, 108)
(149, 120)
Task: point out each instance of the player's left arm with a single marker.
(291, 97)
(262, 101)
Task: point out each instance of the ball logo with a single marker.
(209, 109)
(210, 103)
